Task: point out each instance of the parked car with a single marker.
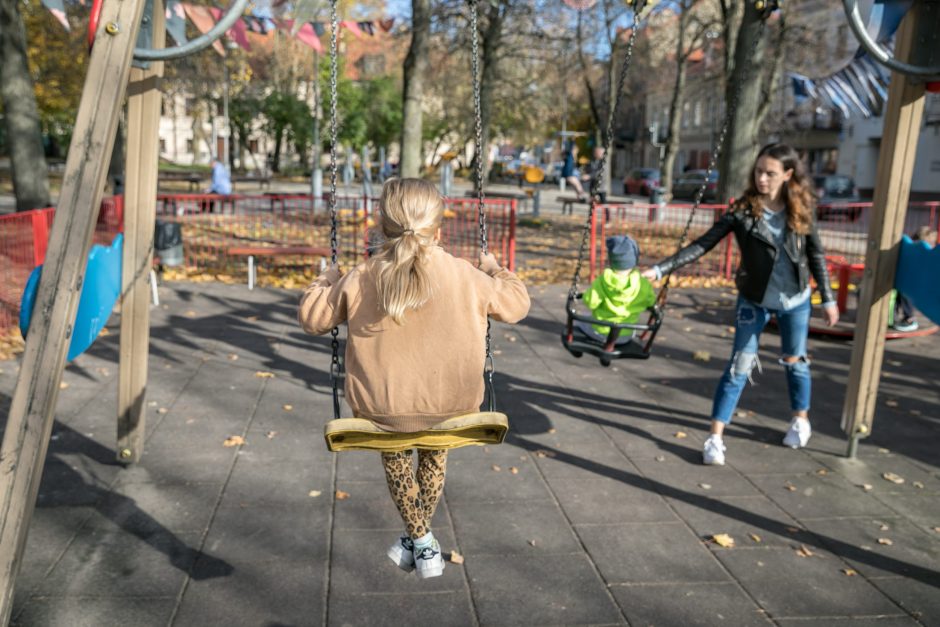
(835, 195)
(641, 181)
(687, 184)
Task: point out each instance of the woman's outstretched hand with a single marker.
(831, 313)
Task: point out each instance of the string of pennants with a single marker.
(261, 21)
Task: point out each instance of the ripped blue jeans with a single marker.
(751, 320)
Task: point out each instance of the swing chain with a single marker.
(489, 366)
(478, 120)
(712, 163)
(608, 138)
(335, 367)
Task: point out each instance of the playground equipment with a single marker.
(479, 428)
(125, 40)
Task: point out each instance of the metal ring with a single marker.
(879, 53)
(205, 40)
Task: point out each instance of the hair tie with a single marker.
(408, 232)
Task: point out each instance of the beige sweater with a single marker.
(412, 376)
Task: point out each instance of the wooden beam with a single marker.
(140, 203)
(32, 411)
(898, 149)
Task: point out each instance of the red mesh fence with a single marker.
(212, 226)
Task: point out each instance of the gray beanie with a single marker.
(622, 251)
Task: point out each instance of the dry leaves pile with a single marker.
(11, 344)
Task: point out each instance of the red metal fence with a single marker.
(843, 229)
(212, 225)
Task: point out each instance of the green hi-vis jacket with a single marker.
(618, 298)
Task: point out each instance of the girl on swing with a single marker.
(774, 226)
(416, 319)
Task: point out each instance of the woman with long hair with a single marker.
(774, 226)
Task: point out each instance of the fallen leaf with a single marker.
(755, 537)
(893, 478)
(660, 458)
(681, 434)
(63, 385)
(883, 527)
(884, 450)
(849, 572)
(496, 468)
(793, 529)
(531, 542)
(162, 410)
(885, 541)
(915, 412)
(937, 529)
(552, 429)
(456, 558)
(252, 318)
(152, 404)
(687, 329)
(702, 356)
(514, 470)
(512, 338)
(190, 314)
(789, 486)
(867, 487)
(822, 471)
(190, 421)
(804, 552)
(723, 539)
(288, 407)
(233, 440)
(541, 453)
(705, 486)
(314, 493)
(261, 374)
(741, 414)
(232, 357)
(270, 434)
(341, 496)
(918, 484)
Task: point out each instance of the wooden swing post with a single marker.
(32, 412)
(140, 206)
(898, 150)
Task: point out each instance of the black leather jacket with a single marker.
(758, 253)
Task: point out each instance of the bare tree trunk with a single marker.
(586, 75)
(415, 70)
(24, 137)
(741, 142)
(675, 106)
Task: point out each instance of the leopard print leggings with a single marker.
(416, 493)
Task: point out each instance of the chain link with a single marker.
(608, 139)
(478, 119)
(335, 366)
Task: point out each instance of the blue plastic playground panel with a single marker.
(916, 276)
(100, 291)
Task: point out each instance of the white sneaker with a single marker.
(429, 562)
(798, 434)
(714, 452)
(402, 553)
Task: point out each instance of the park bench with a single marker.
(263, 180)
(568, 202)
(196, 180)
(272, 251)
(522, 198)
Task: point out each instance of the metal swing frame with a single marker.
(641, 345)
(359, 434)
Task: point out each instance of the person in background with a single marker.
(221, 180)
(904, 319)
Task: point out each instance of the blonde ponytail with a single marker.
(411, 211)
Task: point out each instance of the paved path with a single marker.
(596, 510)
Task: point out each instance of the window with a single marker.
(685, 115)
(189, 145)
(162, 146)
(698, 115)
(190, 106)
(253, 145)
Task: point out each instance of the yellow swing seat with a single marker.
(359, 434)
